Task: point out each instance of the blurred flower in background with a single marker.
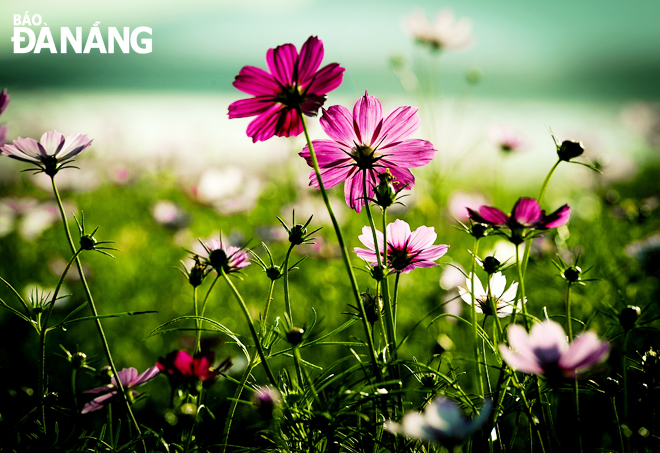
(444, 33)
(505, 138)
(128, 377)
(459, 201)
(228, 190)
(169, 214)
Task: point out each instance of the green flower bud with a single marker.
(87, 242)
(491, 265)
(79, 360)
(218, 258)
(295, 336)
(572, 274)
(384, 192)
(628, 316)
(297, 234)
(478, 230)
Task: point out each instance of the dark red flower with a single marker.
(180, 367)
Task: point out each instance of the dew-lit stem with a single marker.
(342, 246)
(250, 324)
(90, 299)
(479, 383)
(287, 297)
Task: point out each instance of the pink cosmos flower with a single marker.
(51, 154)
(442, 420)
(506, 138)
(405, 250)
(365, 142)
(128, 377)
(294, 82)
(526, 214)
(230, 258)
(4, 100)
(181, 367)
(445, 33)
(545, 350)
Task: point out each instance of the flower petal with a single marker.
(52, 143)
(492, 215)
(586, 350)
(526, 211)
(74, 145)
(250, 107)
(311, 55)
(368, 115)
(327, 79)
(557, 218)
(398, 234)
(281, 61)
(257, 82)
(337, 122)
(408, 153)
(399, 125)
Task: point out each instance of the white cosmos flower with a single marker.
(503, 298)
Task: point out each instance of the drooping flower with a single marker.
(129, 379)
(229, 258)
(293, 83)
(365, 142)
(51, 154)
(266, 399)
(445, 33)
(442, 420)
(545, 350)
(525, 215)
(4, 100)
(504, 300)
(182, 368)
(406, 250)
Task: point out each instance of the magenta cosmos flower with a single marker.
(545, 350)
(294, 82)
(128, 377)
(366, 143)
(406, 250)
(51, 154)
(182, 368)
(526, 214)
(221, 256)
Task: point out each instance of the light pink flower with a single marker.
(364, 141)
(445, 33)
(506, 138)
(128, 377)
(545, 350)
(51, 154)
(459, 200)
(406, 250)
(294, 82)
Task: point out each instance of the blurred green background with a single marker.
(161, 134)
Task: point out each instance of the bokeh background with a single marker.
(168, 167)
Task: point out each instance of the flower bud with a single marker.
(572, 274)
(274, 272)
(297, 234)
(491, 265)
(218, 258)
(569, 149)
(628, 316)
(384, 192)
(377, 273)
(478, 230)
(429, 380)
(295, 336)
(372, 307)
(79, 360)
(266, 399)
(87, 242)
(197, 274)
(105, 375)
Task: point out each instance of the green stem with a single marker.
(618, 425)
(234, 403)
(473, 310)
(390, 320)
(208, 293)
(342, 246)
(576, 390)
(262, 329)
(90, 299)
(43, 330)
(250, 324)
(287, 298)
(521, 286)
(298, 362)
(544, 186)
(198, 323)
(626, 420)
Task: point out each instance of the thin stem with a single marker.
(298, 362)
(625, 385)
(390, 318)
(208, 293)
(262, 329)
(90, 299)
(287, 298)
(618, 425)
(576, 390)
(43, 330)
(342, 246)
(234, 403)
(473, 311)
(198, 323)
(250, 324)
(521, 286)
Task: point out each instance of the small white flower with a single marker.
(503, 298)
(445, 33)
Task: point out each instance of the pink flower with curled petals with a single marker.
(182, 368)
(128, 377)
(406, 250)
(526, 215)
(52, 153)
(545, 350)
(363, 142)
(294, 83)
